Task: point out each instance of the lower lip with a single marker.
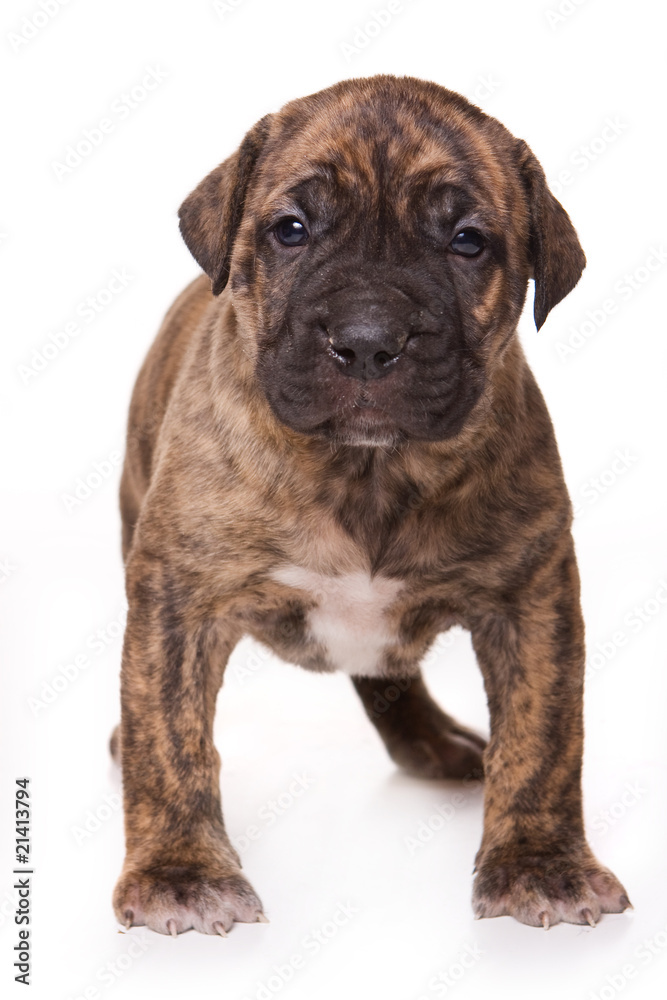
(367, 407)
(362, 409)
(371, 421)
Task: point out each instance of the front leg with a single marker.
(534, 862)
(180, 869)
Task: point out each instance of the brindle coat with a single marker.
(266, 492)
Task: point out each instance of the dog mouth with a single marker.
(362, 421)
(377, 412)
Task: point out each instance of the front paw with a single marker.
(171, 899)
(545, 889)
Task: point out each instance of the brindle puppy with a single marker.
(339, 449)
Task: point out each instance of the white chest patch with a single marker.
(349, 620)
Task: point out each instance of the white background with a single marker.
(343, 840)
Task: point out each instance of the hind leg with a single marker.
(420, 737)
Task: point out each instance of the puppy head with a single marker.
(378, 238)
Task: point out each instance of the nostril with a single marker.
(383, 358)
(345, 354)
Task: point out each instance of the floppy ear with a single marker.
(555, 251)
(210, 216)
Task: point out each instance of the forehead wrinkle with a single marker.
(464, 169)
(313, 189)
(456, 193)
(416, 149)
(339, 161)
(451, 137)
(367, 151)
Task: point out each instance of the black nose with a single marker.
(365, 351)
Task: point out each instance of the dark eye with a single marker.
(468, 243)
(291, 233)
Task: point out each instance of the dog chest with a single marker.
(349, 619)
